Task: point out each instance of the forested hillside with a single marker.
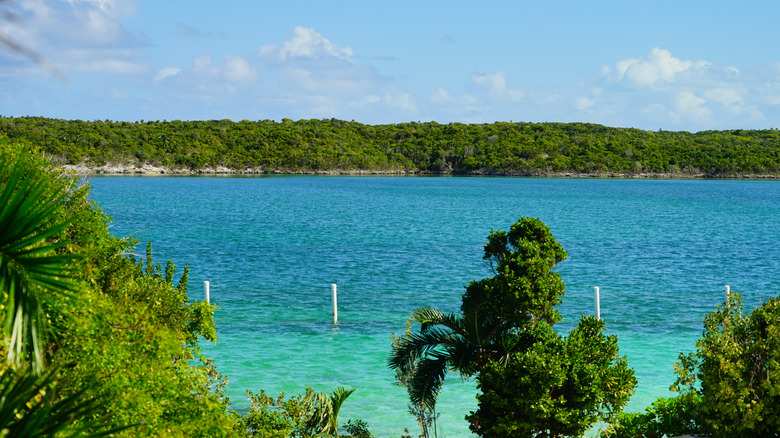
(312, 146)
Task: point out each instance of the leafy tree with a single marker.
(523, 289)
(30, 406)
(33, 276)
(676, 416)
(558, 386)
(737, 365)
(533, 381)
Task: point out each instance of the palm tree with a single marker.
(30, 405)
(31, 271)
(446, 342)
(325, 410)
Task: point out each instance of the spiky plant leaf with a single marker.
(30, 268)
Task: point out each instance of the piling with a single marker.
(207, 292)
(598, 302)
(334, 297)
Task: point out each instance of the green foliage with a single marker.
(675, 416)
(336, 145)
(523, 289)
(124, 334)
(309, 415)
(30, 406)
(267, 418)
(357, 429)
(557, 387)
(406, 364)
(31, 271)
(534, 382)
(34, 274)
(737, 364)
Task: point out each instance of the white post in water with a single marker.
(334, 296)
(727, 288)
(598, 302)
(206, 290)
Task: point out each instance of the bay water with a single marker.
(661, 252)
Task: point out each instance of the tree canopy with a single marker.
(331, 145)
(533, 381)
(122, 345)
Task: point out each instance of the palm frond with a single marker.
(418, 345)
(337, 399)
(429, 317)
(428, 377)
(30, 268)
(29, 406)
(322, 412)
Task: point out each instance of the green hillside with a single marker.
(311, 146)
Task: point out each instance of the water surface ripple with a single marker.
(661, 252)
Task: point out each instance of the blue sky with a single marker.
(673, 65)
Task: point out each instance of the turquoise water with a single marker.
(661, 252)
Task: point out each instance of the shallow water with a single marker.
(661, 252)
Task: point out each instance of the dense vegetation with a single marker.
(112, 332)
(97, 341)
(335, 145)
(728, 388)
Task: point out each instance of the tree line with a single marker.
(331, 145)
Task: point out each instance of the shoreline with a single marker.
(116, 169)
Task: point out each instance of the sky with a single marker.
(673, 65)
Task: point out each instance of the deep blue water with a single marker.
(660, 250)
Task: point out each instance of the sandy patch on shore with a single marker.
(149, 169)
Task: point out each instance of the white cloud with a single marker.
(166, 72)
(213, 80)
(326, 81)
(658, 66)
(310, 64)
(674, 93)
(306, 77)
(443, 97)
(201, 62)
(111, 66)
(118, 8)
(307, 43)
(237, 69)
(79, 35)
(727, 97)
(584, 103)
(402, 101)
(689, 106)
(488, 98)
(495, 84)
(113, 62)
